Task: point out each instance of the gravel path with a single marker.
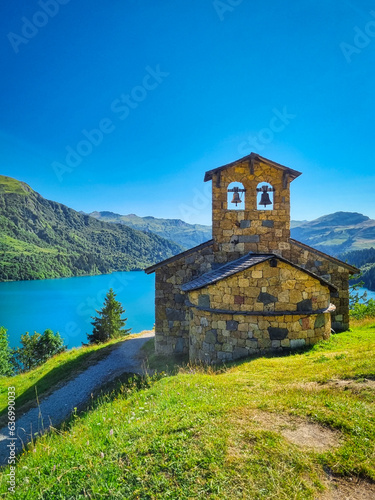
(59, 405)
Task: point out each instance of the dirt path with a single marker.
(57, 407)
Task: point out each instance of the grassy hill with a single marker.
(44, 239)
(336, 233)
(182, 233)
(289, 427)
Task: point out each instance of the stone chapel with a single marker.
(252, 288)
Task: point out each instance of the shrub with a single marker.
(36, 349)
(5, 354)
(363, 310)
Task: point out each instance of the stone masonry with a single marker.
(285, 301)
(286, 308)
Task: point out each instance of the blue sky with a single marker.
(123, 105)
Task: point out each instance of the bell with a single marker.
(265, 199)
(236, 198)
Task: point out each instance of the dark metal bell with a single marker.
(265, 199)
(236, 198)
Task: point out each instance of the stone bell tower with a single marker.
(247, 225)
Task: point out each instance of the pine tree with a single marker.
(108, 324)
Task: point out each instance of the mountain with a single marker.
(350, 236)
(44, 239)
(334, 233)
(337, 233)
(182, 233)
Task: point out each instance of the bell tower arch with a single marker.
(262, 223)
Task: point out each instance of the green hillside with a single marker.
(182, 233)
(44, 239)
(13, 186)
(336, 233)
(294, 427)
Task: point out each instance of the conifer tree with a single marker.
(108, 324)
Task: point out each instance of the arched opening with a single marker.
(236, 196)
(265, 196)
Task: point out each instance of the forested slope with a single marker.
(365, 260)
(44, 239)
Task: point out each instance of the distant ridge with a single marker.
(337, 233)
(333, 233)
(182, 233)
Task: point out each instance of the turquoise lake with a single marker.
(67, 304)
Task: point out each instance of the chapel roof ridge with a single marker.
(251, 158)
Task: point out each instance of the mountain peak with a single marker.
(341, 219)
(9, 185)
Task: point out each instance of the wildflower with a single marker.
(102, 454)
(54, 468)
(111, 432)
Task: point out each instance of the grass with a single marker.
(153, 362)
(10, 185)
(213, 433)
(16, 247)
(43, 380)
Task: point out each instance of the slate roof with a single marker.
(224, 271)
(251, 158)
(242, 264)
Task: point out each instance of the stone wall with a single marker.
(272, 285)
(331, 271)
(217, 337)
(171, 313)
(260, 309)
(238, 232)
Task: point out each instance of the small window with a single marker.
(265, 196)
(236, 196)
